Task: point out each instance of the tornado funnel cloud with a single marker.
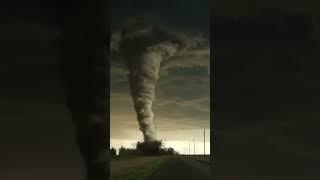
(144, 47)
(143, 75)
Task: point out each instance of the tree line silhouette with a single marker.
(145, 148)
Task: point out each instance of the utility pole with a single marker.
(194, 148)
(204, 142)
(189, 148)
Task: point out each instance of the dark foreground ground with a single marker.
(182, 168)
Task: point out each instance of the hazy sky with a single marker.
(182, 107)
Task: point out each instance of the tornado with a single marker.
(144, 47)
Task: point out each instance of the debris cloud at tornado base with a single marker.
(145, 48)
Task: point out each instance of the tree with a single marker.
(170, 151)
(113, 152)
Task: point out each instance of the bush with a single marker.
(113, 152)
(127, 151)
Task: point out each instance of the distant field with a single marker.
(130, 167)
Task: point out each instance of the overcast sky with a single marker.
(182, 107)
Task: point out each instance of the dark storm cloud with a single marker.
(172, 77)
(186, 14)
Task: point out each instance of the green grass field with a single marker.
(122, 157)
(130, 167)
